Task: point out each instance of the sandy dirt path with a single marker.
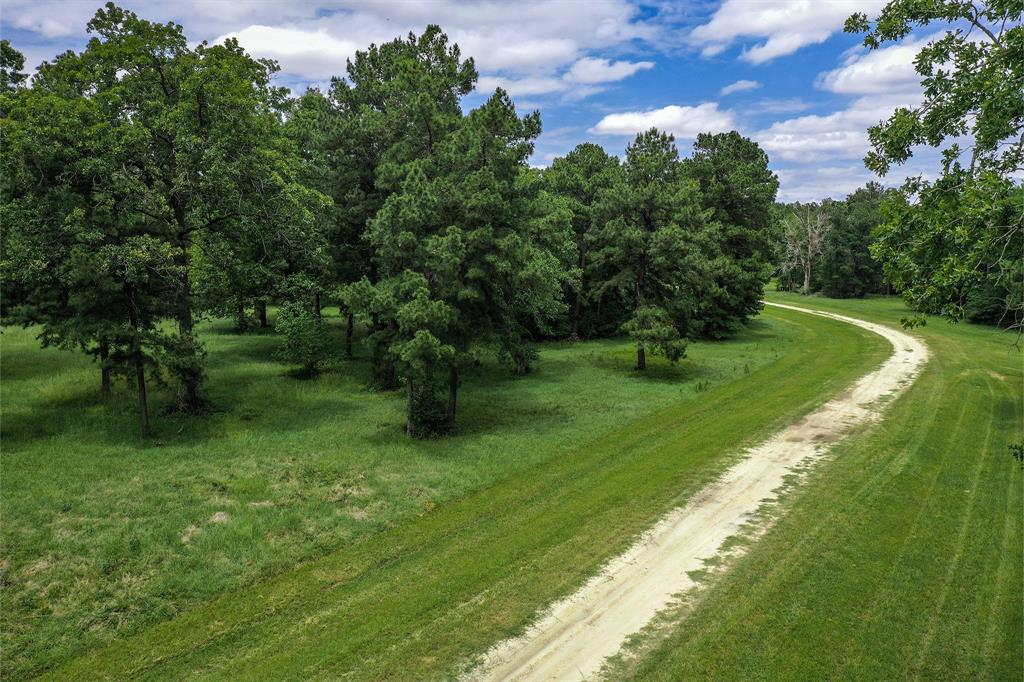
(574, 637)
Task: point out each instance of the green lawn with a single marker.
(297, 532)
(901, 558)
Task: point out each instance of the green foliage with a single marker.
(846, 268)
(651, 244)
(738, 190)
(465, 250)
(652, 328)
(304, 340)
(580, 179)
(11, 64)
(141, 135)
(954, 249)
(842, 265)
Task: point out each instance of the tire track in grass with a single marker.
(926, 642)
(881, 597)
(578, 633)
(1003, 576)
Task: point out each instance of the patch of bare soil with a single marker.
(575, 635)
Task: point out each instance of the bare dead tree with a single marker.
(806, 229)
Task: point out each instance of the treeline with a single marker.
(147, 183)
(826, 247)
(853, 248)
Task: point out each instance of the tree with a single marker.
(11, 64)
(467, 256)
(581, 178)
(651, 243)
(80, 263)
(806, 227)
(399, 101)
(956, 240)
(739, 190)
(199, 138)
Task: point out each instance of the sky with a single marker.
(781, 72)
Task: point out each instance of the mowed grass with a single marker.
(551, 475)
(901, 558)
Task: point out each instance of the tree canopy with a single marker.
(951, 242)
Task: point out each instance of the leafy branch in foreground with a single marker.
(954, 246)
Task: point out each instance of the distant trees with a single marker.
(845, 268)
(827, 247)
(953, 246)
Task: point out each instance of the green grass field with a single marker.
(105, 534)
(901, 558)
(296, 533)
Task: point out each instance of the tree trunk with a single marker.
(348, 336)
(578, 305)
(261, 313)
(140, 369)
(188, 398)
(807, 279)
(641, 358)
(104, 371)
(408, 406)
(316, 305)
(140, 377)
(453, 391)
(240, 316)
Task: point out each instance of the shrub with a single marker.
(305, 339)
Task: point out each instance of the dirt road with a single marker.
(574, 637)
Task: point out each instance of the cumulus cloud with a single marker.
(544, 37)
(739, 86)
(530, 85)
(839, 135)
(784, 26)
(314, 55)
(883, 71)
(583, 79)
(685, 122)
(592, 70)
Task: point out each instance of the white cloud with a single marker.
(785, 25)
(787, 105)
(883, 71)
(839, 135)
(685, 122)
(739, 86)
(530, 85)
(543, 37)
(580, 81)
(313, 55)
(592, 70)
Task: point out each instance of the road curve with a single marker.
(572, 639)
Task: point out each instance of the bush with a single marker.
(428, 411)
(306, 343)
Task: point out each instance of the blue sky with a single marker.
(780, 71)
